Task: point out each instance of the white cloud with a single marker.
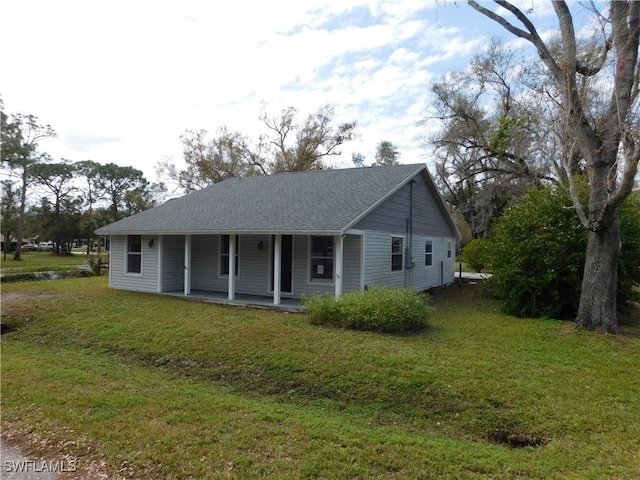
(121, 81)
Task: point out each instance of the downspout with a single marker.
(411, 183)
(409, 253)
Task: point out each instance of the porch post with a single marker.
(187, 264)
(277, 254)
(232, 267)
(338, 248)
(159, 246)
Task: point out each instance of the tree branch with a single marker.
(531, 36)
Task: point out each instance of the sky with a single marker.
(121, 81)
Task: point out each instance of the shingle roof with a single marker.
(328, 201)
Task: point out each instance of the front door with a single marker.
(286, 263)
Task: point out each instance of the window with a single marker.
(321, 258)
(134, 254)
(428, 253)
(224, 255)
(449, 250)
(396, 253)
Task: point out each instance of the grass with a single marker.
(41, 261)
(160, 387)
(467, 268)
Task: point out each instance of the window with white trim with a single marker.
(449, 250)
(134, 254)
(224, 255)
(428, 253)
(321, 258)
(397, 251)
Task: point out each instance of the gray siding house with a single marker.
(282, 236)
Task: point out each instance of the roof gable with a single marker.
(328, 201)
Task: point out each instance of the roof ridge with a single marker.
(326, 170)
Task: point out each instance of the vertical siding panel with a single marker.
(351, 263)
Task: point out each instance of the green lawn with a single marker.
(41, 261)
(160, 387)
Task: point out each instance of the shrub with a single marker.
(474, 254)
(537, 250)
(537, 254)
(94, 264)
(381, 309)
(629, 259)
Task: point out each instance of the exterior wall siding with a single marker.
(373, 248)
(352, 264)
(302, 283)
(441, 270)
(377, 258)
(147, 279)
(204, 265)
(377, 261)
(172, 263)
(253, 264)
(393, 214)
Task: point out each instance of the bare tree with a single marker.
(287, 146)
(492, 144)
(605, 137)
(313, 140)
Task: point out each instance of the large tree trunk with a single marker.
(597, 309)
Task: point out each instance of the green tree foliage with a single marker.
(386, 154)
(475, 254)
(594, 82)
(537, 249)
(358, 159)
(10, 211)
(61, 223)
(115, 182)
(57, 181)
(19, 137)
(629, 258)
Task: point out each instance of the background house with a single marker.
(282, 236)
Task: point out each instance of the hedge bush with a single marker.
(475, 254)
(380, 309)
(537, 249)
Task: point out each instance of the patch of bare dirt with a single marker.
(73, 457)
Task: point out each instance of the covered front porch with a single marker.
(264, 270)
(293, 305)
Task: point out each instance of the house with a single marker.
(287, 235)
(11, 244)
(27, 243)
